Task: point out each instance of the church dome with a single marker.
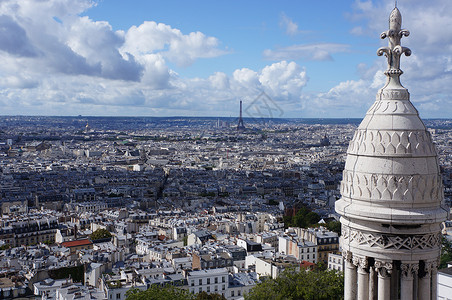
(391, 182)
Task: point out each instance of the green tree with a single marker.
(206, 296)
(446, 253)
(5, 247)
(334, 226)
(100, 234)
(156, 292)
(302, 285)
(303, 218)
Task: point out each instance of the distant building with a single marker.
(209, 281)
(335, 262)
(445, 283)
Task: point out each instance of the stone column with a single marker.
(384, 269)
(363, 277)
(349, 277)
(395, 283)
(434, 280)
(372, 284)
(408, 272)
(425, 282)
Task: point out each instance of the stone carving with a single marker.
(387, 241)
(409, 270)
(347, 255)
(387, 94)
(428, 268)
(391, 143)
(391, 106)
(383, 268)
(407, 188)
(360, 262)
(394, 49)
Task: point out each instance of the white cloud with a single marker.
(315, 52)
(171, 43)
(427, 72)
(54, 60)
(288, 25)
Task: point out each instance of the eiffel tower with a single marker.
(240, 125)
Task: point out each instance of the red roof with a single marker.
(76, 243)
(307, 264)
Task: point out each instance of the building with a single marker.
(272, 267)
(77, 245)
(327, 241)
(445, 283)
(29, 230)
(209, 281)
(335, 262)
(391, 206)
(301, 249)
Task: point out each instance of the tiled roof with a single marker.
(76, 243)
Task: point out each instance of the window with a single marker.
(216, 288)
(216, 279)
(208, 280)
(208, 289)
(238, 293)
(200, 281)
(224, 287)
(118, 296)
(192, 283)
(232, 293)
(308, 256)
(307, 250)
(224, 279)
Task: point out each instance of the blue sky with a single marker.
(199, 58)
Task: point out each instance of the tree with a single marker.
(100, 234)
(303, 218)
(334, 226)
(5, 247)
(446, 253)
(301, 285)
(169, 292)
(206, 296)
(156, 292)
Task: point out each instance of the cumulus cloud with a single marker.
(427, 73)
(53, 57)
(173, 45)
(13, 38)
(314, 52)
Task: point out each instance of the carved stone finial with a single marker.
(394, 50)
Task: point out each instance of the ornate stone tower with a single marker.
(391, 205)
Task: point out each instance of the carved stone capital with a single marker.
(428, 268)
(435, 264)
(384, 268)
(409, 270)
(360, 262)
(347, 255)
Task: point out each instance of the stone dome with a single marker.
(391, 186)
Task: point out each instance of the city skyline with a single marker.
(141, 58)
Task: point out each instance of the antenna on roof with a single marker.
(395, 4)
